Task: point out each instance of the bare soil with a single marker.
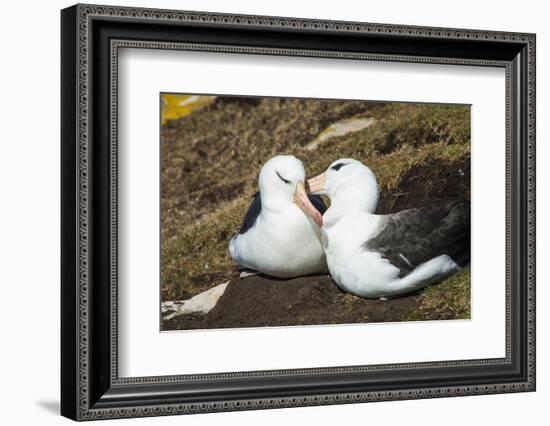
(259, 301)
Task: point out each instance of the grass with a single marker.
(200, 248)
(211, 158)
(447, 300)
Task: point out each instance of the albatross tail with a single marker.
(430, 272)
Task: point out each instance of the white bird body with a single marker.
(358, 243)
(277, 237)
(368, 273)
(351, 267)
(283, 243)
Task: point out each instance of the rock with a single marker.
(340, 128)
(202, 303)
(246, 274)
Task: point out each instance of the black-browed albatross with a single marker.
(376, 256)
(280, 234)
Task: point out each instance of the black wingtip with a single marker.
(252, 214)
(318, 203)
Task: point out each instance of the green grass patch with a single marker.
(449, 299)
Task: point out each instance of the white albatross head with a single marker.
(350, 185)
(282, 181)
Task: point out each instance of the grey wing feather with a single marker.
(414, 236)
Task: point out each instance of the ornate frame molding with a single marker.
(87, 403)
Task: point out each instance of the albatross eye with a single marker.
(338, 166)
(282, 178)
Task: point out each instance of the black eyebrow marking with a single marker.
(338, 166)
(282, 178)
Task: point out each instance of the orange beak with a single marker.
(302, 201)
(316, 184)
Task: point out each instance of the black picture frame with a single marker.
(90, 38)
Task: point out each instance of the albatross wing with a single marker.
(252, 214)
(256, 208)
(415, 236)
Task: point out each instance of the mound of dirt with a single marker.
(431, 183)
(260, 301)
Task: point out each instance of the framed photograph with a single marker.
(263, 212)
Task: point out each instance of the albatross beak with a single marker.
(317, 184)
(302, 201)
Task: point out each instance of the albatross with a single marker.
(378, 256)
(280, 233)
